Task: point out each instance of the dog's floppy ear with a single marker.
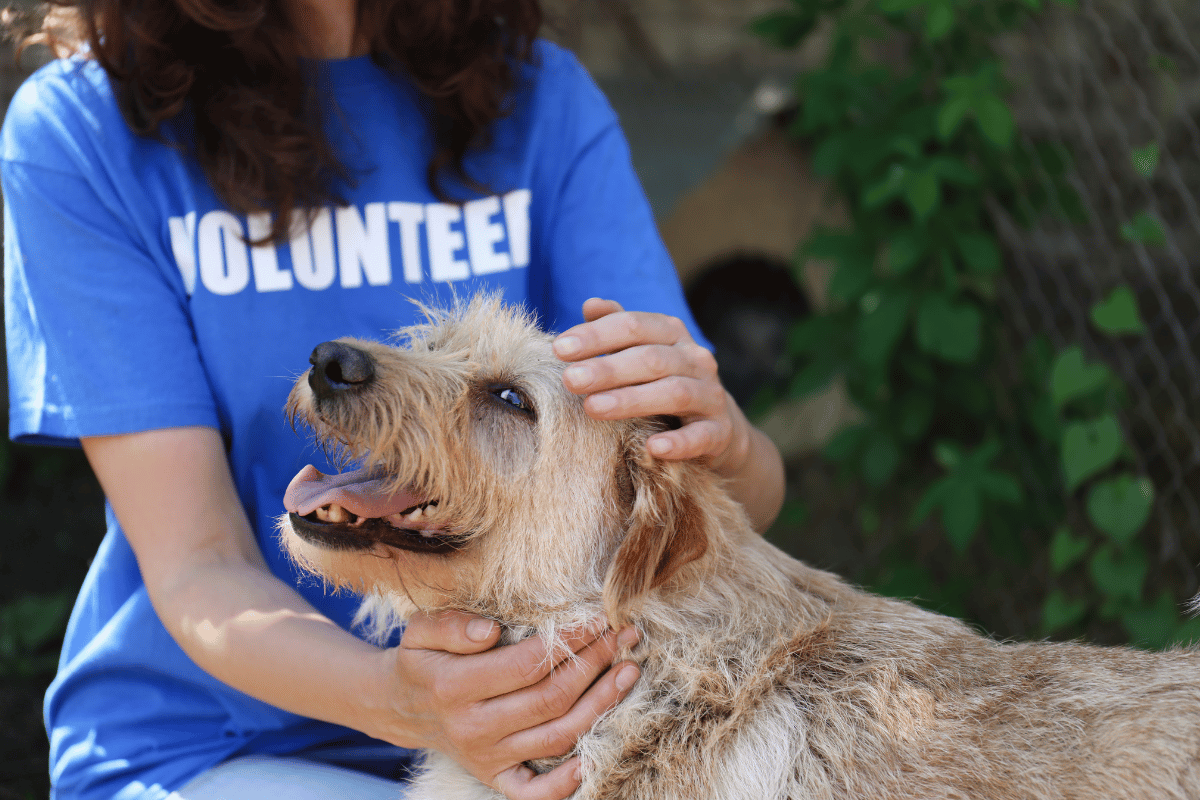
(667, 529)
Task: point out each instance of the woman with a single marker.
(195, 198)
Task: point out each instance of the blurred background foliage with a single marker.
(1011, 453)
(941, 247)
(989, 461)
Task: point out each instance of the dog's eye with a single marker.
(513, 397)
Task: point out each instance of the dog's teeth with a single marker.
(337, 514)
(416, 514)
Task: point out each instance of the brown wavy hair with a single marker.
(232, 70)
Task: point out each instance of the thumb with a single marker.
(450, 631)
(596, 307)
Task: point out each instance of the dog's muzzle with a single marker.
(337, 367)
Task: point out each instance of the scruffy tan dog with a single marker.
(491, 491)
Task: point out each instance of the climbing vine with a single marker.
(907, 118)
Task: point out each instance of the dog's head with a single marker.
(481, 483)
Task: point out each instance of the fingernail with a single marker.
(627, 677)
(578, 377)
(567, 345)
(478, 630)
(602, 403)
(628, 637)
(660, 447)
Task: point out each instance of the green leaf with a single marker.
(986, 453)
(880, 459)
(922, 194)
(851, 278)
(933, 497)
(1065, 550)
(784, 29)
(846, 443)
(995, 120)
(793, 514)
(1118, 313)
(1060, 611)
(914, 412)
(1144, 228)
(979, 251)
(1187, 633)
(1088, 448)
(1044, 418)
(1120, 506)
(1119, 575)
(905, 146)
(961, 514)
(1033, 5)
(28, 623)
(962, 85)
(1145, 159)
(880, 330)
(939, 20)
(815, 376)
(1054, 157)
(1037, 360)
(951, 115)
(1152, 625)
(885, 190)
(906, 249)
(827, 158)
(897, 6)
(972, 395)
(948, 454)
(954, 170)
(811, 335)
(1001, 486)
(951, 331)
(1071, 378)
(831, 245)
(908, 581)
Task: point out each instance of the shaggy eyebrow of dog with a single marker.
(506, 393)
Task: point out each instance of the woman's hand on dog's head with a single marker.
(652, 366)
(493, 708)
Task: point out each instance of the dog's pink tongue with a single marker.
(357, 492)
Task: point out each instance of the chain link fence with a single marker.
(1109, 79)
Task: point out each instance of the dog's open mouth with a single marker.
(357, 510)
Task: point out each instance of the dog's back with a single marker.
(822, 691)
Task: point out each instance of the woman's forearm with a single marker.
(212, 590)
(248, 629)
(755, 475)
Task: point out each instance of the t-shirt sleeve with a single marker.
(98, 335)
(603, 240)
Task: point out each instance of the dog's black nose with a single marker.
(338, 367)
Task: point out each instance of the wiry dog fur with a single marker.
(761, 677)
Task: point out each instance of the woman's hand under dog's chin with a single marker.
(652, 366)
(491, 709)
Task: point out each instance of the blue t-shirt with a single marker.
(134, 303)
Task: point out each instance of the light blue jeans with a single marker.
(273, 777)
